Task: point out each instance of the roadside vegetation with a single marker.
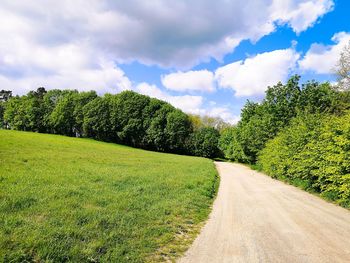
(299, 134)
(79, 200)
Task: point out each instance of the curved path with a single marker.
(258, 219)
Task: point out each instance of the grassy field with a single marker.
(79, 200)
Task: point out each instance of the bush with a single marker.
(314, 153)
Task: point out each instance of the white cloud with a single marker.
(176, 34)
(322, 59)
(300, 15)
(26, 66)
(224, 113)
(253, 75)
(187, 103)
(201, 80)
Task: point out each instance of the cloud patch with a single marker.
(322, 59)
(178, 34)
(299, 15)
(201, 80)
(251, 77)
(187, 103)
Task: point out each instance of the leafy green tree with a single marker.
(204, 142)
(126, 117)
(260, 122)
(81, 99)
(317, 98)
(26, 112)
(156, 135)
(62, 119)
(97, 119)
(177, 129)
(281, 102)
(2, 110)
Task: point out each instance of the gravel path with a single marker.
(258, 219)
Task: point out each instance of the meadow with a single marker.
(71, 199)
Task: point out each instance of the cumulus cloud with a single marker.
(253, 75)
(26, 66)
(187, 103)
(176, 34)
(321, 58)
(224, 113)
(201, 80)
(300, 15)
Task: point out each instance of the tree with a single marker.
(204, 142)
(2, 109)
(178, 128)
(97, 119)
(318, 98)
(26, 112)
(156, 136)
(62, 119)
(231, 146)
(80, 100)
(126, 117)
(343, 68)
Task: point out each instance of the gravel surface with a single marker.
(258, 219)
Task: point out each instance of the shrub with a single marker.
(314, 153)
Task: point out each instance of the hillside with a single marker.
(69, 199)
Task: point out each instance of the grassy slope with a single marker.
(68, 199)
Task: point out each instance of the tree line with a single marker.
(299, 134)
(127, 118)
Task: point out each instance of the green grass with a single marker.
(79, 200)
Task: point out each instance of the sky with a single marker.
(205, 57)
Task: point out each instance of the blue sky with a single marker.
(205, 57)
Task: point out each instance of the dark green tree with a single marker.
(97, 119)
(204, 142)
(178, 127)
(62, 119)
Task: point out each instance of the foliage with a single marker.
(204, 142)
(229, 144)
(128, 118)
(313, 152)
(2, 109)
(26, 113)
(78, 200)
(62, 118)
(260, 122)
(97, 119)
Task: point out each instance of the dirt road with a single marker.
(258, 219)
